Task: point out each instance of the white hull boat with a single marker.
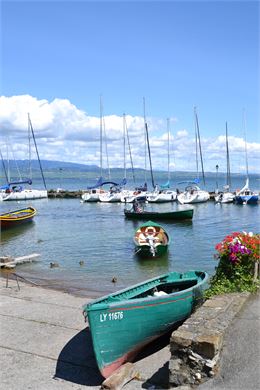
(25, 194)
(162, 196)
(193, 194)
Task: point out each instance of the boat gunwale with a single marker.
(10, 216)
(99, 304)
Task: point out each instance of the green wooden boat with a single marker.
(122, 323)
(151, 240)
(159, 216)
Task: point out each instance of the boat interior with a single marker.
(153, 288)
(156, 233)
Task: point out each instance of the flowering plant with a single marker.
(239, 246)
(238, 255)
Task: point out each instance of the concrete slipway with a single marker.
(45, 344)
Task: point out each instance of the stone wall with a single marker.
(196, 345)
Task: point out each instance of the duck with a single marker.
(54, 265)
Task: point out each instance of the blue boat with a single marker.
(246, 196)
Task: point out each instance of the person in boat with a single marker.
(151, 238)
(137, 207)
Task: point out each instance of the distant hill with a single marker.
(67, 169)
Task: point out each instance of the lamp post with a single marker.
(60, 169)
(217, 177)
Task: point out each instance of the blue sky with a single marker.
(58, 57)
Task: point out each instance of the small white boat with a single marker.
(193, 194)
(112, 196)
(225, 196)
(92, 195)
(161, 196)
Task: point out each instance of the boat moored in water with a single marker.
(17, 217)
(151, 240)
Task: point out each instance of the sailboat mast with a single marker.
(244, 120)
(5, 171)
(168, 131)
(108, 167)
(29, 148)
(145, 140)
(34, 140)
(228, 161)
(124, 134)
(198, 135)
(130, 153)
(149, 152)
(101, 135)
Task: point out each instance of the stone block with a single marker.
(208, 345)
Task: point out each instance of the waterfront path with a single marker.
(240, 359)
(45, 344)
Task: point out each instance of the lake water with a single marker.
(66, 231)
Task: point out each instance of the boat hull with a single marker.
(123, 323)
(226, 197)
(26, 195)
(158, 216)
(246, 199)
(151, 240)
(16, 218)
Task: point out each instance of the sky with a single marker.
(62, 60)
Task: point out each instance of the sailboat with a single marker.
(93, 192)
(14, 190)
(162, 193)
(246, 195)
(140, 192)
(115, 191)
(226, 196)
(193, 193)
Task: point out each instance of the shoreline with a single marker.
(53, 285)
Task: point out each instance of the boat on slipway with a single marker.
(15, 218)
(151, 240)
(122, 323)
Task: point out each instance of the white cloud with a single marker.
(65, 133)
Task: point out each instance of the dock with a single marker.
(11, 262)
